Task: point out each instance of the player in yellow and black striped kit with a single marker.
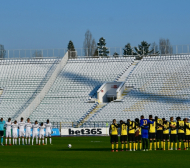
(181, 132)
(187, 134)
(138, 138)
(159, 132)
(132, 128)
(173, 133)
(113, 131)
(123, 137)
(152, 132)
(166, 133)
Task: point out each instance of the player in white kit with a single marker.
(48, 132)
(41, 133)
(21, 125)
(35, 132)
(8, 131)
(28, 126)
(15, 135)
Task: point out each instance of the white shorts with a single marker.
(27, 134)
(34, 135)
(41, 136)
(15, 135)
(8, 134)
(48, 134)
(21, 133)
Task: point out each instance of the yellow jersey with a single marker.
(131, 127)
(187, 128)
(152, 127)
(180, 125)
(173, 130)
(113, 129)
(159, 122)
(166, 127)
(123, 127)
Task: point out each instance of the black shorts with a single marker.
(181, 136)
(131, 137)
(152, 135)
(173, 137)
(1, 133)
(123, 138)
(165, 136)
(138, 138)
(187, 137)
(114, 138)
(159, 135)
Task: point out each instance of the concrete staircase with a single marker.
(97, 108)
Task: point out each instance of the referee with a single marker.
(2, 123)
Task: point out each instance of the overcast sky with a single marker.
(42, 24)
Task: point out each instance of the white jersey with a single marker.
(28, 126)
(15, 127)
(48, 127)
(8, 126)
(35, 128)
(21, 126)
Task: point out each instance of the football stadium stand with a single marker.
(157, 85)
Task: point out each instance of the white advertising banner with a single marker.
(84, 131)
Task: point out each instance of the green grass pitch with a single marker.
(87, 152)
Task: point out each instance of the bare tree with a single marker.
(2, 51)
(89, 44)
(165, 46)
(154, 48)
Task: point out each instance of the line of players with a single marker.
(158, 131)
(25, 125)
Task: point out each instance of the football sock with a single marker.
(130, 145)
(184, 144)
(42, 141)
(164, 143)
(50, 140)
(46, 140)
(143, 143)
(36, 140)
(39, 141)
(168, 144)
(32, 141)
(19, 141)
(6, 141)
(9, 141)
(22, 140)
(179, 144)
(28, 140)
(116, 146)
(189, 144)
(13, 141)
(112, 146)
(122, 146)
(1, 139)
(172, 144)
(158, 144)
(146, 143)
(161, 144)
(126, 145)
(140, 145)
(150, 145)
(176, 145)
(136, 145)
(154, 145)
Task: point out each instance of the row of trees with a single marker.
(144, 48)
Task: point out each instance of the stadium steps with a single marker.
(97, 108)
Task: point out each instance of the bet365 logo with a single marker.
(85, 131)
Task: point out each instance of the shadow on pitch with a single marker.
(85, 149)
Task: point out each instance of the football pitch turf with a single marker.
(87, 152)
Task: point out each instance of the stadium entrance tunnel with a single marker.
(110, 91)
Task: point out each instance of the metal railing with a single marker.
(82, 52)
